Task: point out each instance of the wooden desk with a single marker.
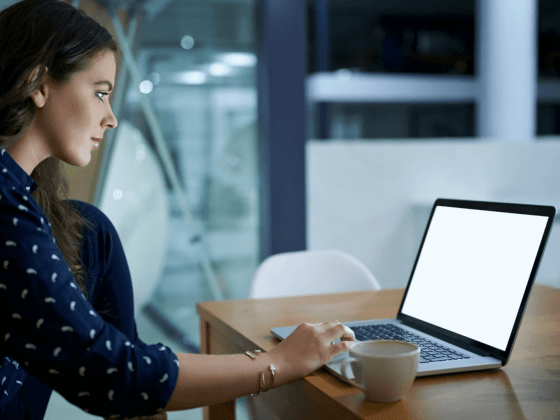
(527, 388)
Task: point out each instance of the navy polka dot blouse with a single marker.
(50, 331)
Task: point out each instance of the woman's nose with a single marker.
(110, 121)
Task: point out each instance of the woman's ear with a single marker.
(39, 95)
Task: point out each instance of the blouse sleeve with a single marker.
(55, 333)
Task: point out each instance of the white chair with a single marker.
(310, 272)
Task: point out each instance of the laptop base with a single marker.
(473, 363)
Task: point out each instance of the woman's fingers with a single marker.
(337, 330)
(341, 347)
(310, 346)
(348, 334)
(333, 330)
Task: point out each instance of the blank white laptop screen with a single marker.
(473, 271)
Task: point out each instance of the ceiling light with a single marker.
(194, 77)
(187, 42)
(240, 59)
(219, 69)
(146, 86)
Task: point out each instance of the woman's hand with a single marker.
(309, 347)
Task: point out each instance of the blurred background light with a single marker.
(130, 196)
(233, 160)
(155, 78)
(187, 42)
(140, 155)
(240, 59)
(219, 69)
(117, 194)
(146, 86)
(194, 77)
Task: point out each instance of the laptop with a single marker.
(469, 286)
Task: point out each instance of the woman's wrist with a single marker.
(285, 371)
(269, 376)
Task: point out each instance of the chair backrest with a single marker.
(310, 272)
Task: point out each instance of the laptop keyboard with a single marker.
(429, 351)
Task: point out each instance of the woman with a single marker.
(66, 318)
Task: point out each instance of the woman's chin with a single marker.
(80, 161)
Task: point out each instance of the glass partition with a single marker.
(197, 63)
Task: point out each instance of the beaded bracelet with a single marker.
(261, 378)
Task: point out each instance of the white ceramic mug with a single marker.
(384, 369)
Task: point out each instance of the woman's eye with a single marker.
(100, 95)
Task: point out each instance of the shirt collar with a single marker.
(17, 171)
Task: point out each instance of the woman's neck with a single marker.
(29, 151)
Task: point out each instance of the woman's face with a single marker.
(76, 114)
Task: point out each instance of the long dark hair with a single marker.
(54, 38)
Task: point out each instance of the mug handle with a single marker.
(355, 366)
